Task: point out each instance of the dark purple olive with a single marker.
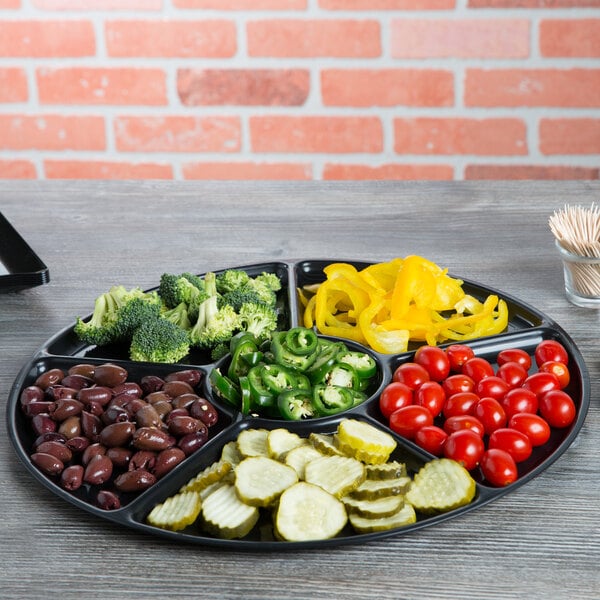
(56, 392)
(180, 426)
(44, 407)
(110, 375)
(78, 443)
(107, 500)
(167, 460)
(202, 409)
(98, 470)
(91, 451)
(142, 459)
(158, 396)
(177, 412)
(57, 449)
(84, 369)
(50, 377)
(47, 463)
(134, 481)
(91, 425)
(71, 478)
(190, 376)
(128, 388)
(49, 436)
(65, 408)
(77, 381)
(163, 408)
(176, 388)
(120, 457)
(43, 424)
(133, 405)
(151, 383)
(114, 414)
(117, 434)
(151, 438)
(184, 401)
(98, 393)
(147, 416)
(193, 441)
(32, 393)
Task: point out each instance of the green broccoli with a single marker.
(178, 315)
(236, 298)
(175, 289)
(271, 280)
(259, 319)
(230, 280)
(219, 351)
(159, 340)
(116, 314)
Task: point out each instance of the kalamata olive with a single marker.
(159, 396)
(107, 500)
(176, 388)
(56, 392)
(142, 459)
(147, 416)
(180, 426)
(151, 438)
(71, 426)
(44, 407)
(190, 376)
(167, 460)
(58, 449)
(134, 481)
(43, 424)
(98, 393)
(65, 408)
(110, 375)
(117, 434)
(48, 378)
(78, 443)
(91, 425)
(114, 414)
(98, 470)
(49, 436)
(120, 457)
(163, 408)
(202, 409)
(91, 451)
(72, 477)
(193, 441)
(133, 405)
(84, 369)
(77, 381)
(129, 388)
(47, 463)
(177, 412)
(184, 401)
(151, 383)
(32, 393)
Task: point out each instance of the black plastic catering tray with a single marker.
(527, 327)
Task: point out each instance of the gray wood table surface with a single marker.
(540, 541)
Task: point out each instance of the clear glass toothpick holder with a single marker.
(582, 278)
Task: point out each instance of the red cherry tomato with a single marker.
(458, 355)
(513, 373)
(498, 467)
(408, 420)
(540, 383)
(458, 383)
(559, 369)
(411, 374)
(432, 439)
(477, 368)
(466, 447)
(514, 442)
(492, 386)
(557, 408)
(519, 400)
(395, 395)
(491, 414)
(533, 426)
(431, 395)
(434, 360)
(550, 350)
(459, 404)
(514, 355)
(458, 422)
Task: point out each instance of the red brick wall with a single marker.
(300, 89)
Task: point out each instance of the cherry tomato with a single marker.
(514, 355)
(458, 383)
(434, 360)
(540, 383)
(559, 369)
(431, 395)
(514, 442)
(519, 400)
(499, 467)
(432, 439)
(550, 350)
(408, 420)
(458, 422)
(491, 414)
(558, 408)
(395, 395)
(411, 374)
(513, 373)
(477, 368)
(466, 447)
(492, 386)
(458, 355)
(533, 426)
(459, 404)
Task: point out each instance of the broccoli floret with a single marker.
(230, 280)
(271, 280)
(159, 340)
(263, 291)
(179, 316)
(175, 289)
(116, 314)
(259, 319)
(240, 296)
(219, 351)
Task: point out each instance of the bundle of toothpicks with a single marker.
(577, 230)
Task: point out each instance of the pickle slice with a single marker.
(307, 512)
(213, 473)
(441, 485)
(225, 516)
(280, 441)
(405, 516)
(231, 453)
(338, 475)
(374, 509)
(325, 444)
(176, 512)
(364, 441)
(299, 457)
(259, 481)
(389, 470)
(371, 489)
(253, 442)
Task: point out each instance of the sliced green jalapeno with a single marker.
(300, 340)
(296, 404)
(331, 399)
(342, 374)
(364, 364)
(225, 388)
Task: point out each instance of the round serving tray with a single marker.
(527, 328)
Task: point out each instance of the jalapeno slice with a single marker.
(331, 399)
(284, 355)
(246, 394)
(225, 388)
(300, 340)
(324, 361)
(277, 378)
(362, 362)
(343, 375)
(296, 404)
(262, 396)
